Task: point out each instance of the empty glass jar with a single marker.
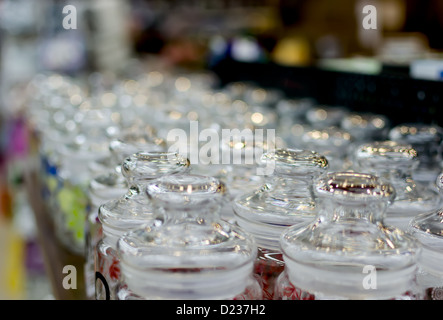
(333, 143)
(428, 229)
(102, 189)
(291, 112)
(108, 184)
(347, 251)
(240, 155)
(364, 127)
(396, 162)
(322, 116)
(194, 254)
(285, 199)
(427, 140)
(130, 211)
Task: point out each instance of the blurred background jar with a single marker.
(427, 140)
(333, 143)
(396, 163)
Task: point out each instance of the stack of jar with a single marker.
(333, 196)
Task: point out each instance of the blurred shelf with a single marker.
(55, 255)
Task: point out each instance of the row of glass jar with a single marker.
(77, 124)
(92, 123)
(186, 251)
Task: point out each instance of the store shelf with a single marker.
(55, 255)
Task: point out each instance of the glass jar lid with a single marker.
(325, 116)
(351, 187)
(294, 162)
(133, 141)
(414, 133)
(348, 186)
(328, 255)
(428, 229)
(396, 162)
(285, 199)
(194, 255)
(134, 208)
(145, 166)
(332, 142)
(364, 126)
(427, 140)
(386, 155)
(107, 186)
(190, 192)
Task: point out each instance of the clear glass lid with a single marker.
(325, 116)
(287, 190)
(331, 139)
(427, 140)
(285, 198)
(190, 195)
(384, 156)
(240, 153)
(366, 126)
(429, 226)
(396, 162)
(415, 133)
(111, 185)
(134, 140)
(351, 202)
(329, 253)
(332, 142)
(131, 209)
(193, 252)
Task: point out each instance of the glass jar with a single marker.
(347, 251)
(102, 189)
(324, 116)
(90, 142)
(427, 140)
(396, 162)
(240, 155)
(129, 212)
(428, 229)
(108, 184)
(194, 254)
(333, 143)
(285, 199)
(291, 112)
(364, 128)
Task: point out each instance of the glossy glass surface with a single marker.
(327, 257)
(396, 162)
(195, 254)
(428, 229)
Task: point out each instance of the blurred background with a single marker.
(275, 42)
